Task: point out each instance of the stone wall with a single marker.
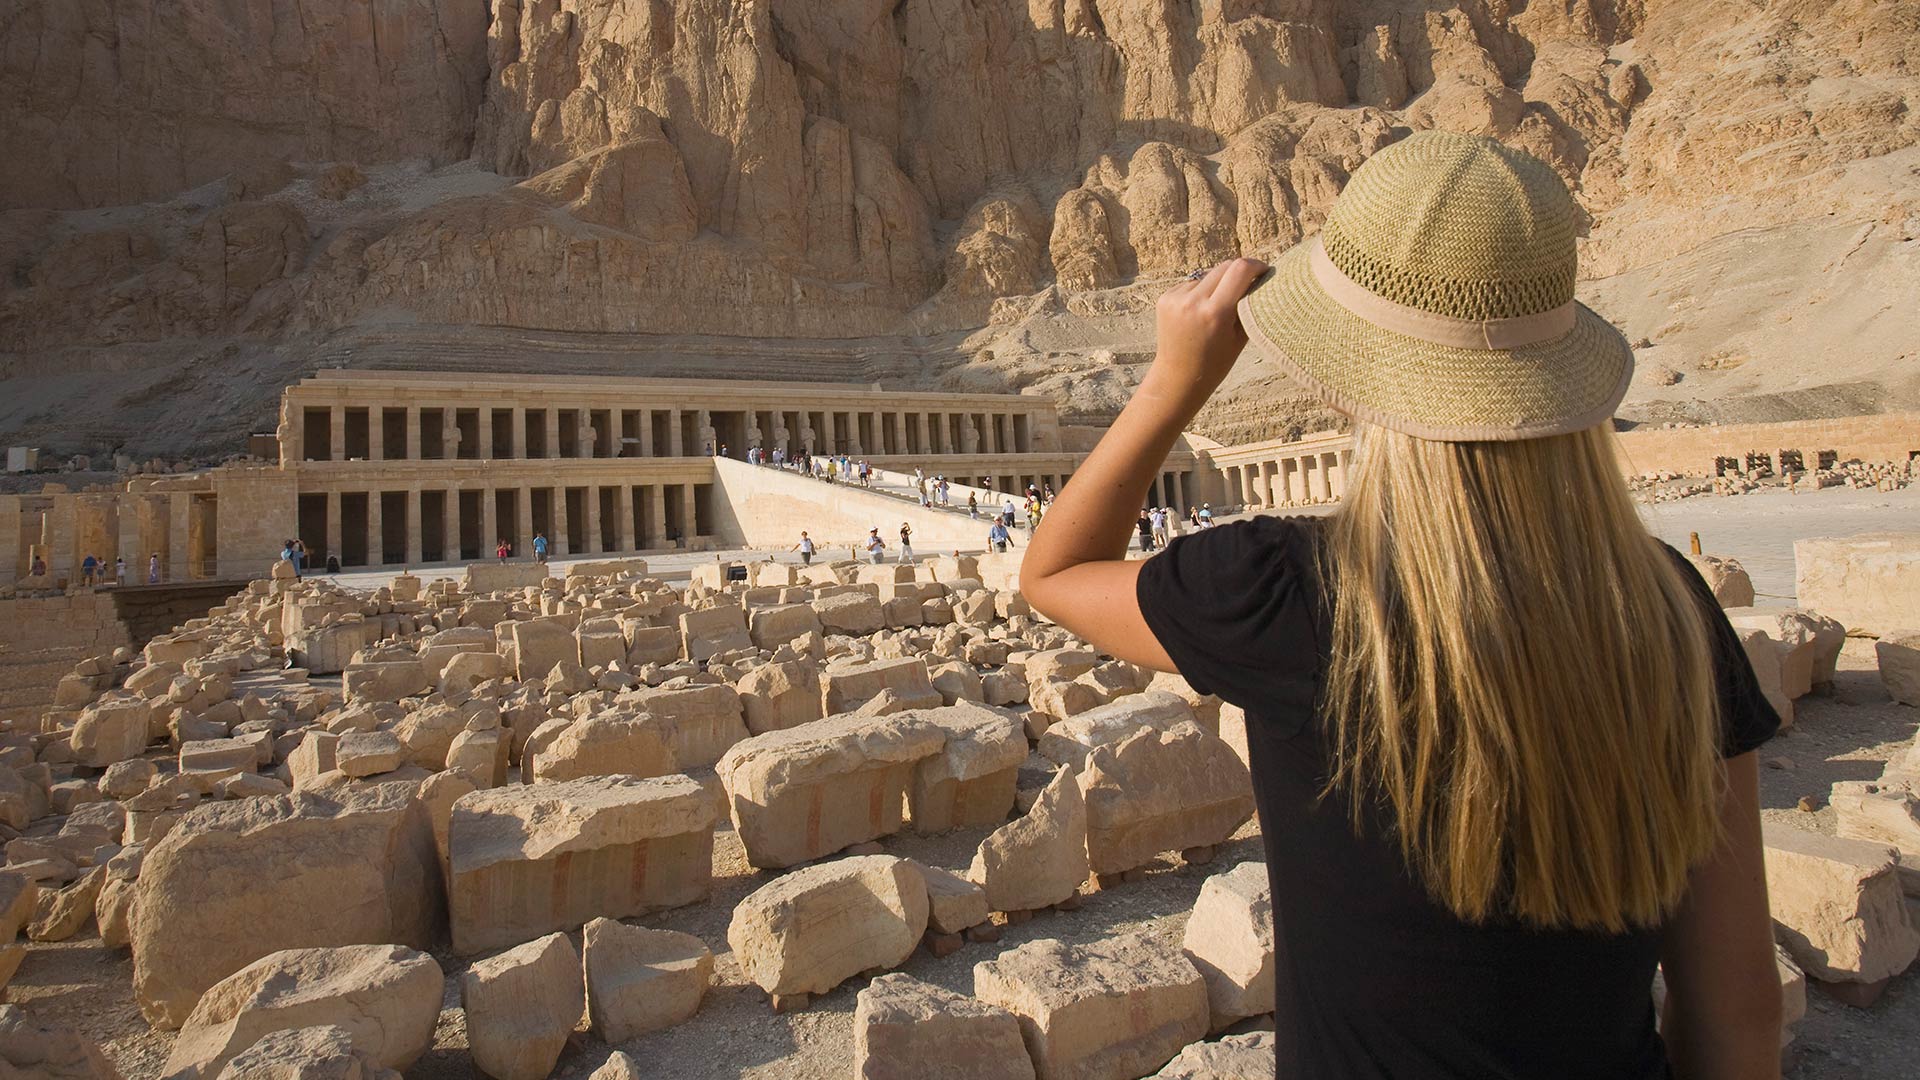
(1694, 451)
(42, 638)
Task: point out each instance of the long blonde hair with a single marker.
(1520, 679)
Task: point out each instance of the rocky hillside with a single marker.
(201, 198)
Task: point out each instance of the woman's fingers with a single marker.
(1231, 279)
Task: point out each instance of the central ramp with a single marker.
(767, 507)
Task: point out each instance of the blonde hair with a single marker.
(1520, 679)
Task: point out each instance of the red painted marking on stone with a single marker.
(638, 880)
(562, 873)
(813, 819)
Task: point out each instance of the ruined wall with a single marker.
(1693, 451)
(42, 638)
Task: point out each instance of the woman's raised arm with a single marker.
(1076, 572)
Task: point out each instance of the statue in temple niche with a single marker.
(969, 436)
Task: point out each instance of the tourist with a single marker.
(39, 567)
(973, 505)
(540, 547)
(1006, 513)
(1502, 739)
(1193, 518)
(90, 567)
(1145, 528)
(876, 547)
(906, 542)
(1159, 519)
(998, 537)
(1206, 515)
(153, 569)
(723, 449)
(503, 550)
(805, 548)
(120, 570)
(945, 489)
(299, 556)
(1047, 494)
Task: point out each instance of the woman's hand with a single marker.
(1199, 332)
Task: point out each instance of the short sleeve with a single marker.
(1234, 608)
(1747, 719)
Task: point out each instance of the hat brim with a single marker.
(1431, 391)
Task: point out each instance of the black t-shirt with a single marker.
(1374, 978)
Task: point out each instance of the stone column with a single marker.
(180, 534)
(450, 526)
(416, 528)
(489, 522)
(376, 531)
(920, 431)
(333, 528)
(517, 432)
(412, 451)
(586, 439)
(523, 515)
(485, 427)
(646, 432)
(1179, 492)
(1316, 478)
(376, 433)
(687, 511)
(592, 501)
(126, 545)
(623, 506)
(1263, 483)
(553, 434)
(557, 540)
(674, 447)
(753, 431)
(657, 500)
(292, 432)
(1336, 476)
(829, 444)
(336, 433)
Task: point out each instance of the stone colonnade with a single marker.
(1268, 476)
(58, 531)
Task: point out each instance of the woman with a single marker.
(1501, 740)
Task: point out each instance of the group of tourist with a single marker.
(94, 570)
(1156, 524)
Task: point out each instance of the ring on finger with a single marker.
(1196, 275)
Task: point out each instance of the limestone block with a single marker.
(1161, 791)
(326, 650)
(1236, 1057)
(1060, 663)
(809, 791)
(528, 860)
(905, 1029)
(487, 577)
(601, 642)
(1799, 641)
(1062, 699)
(216, 759)
(12, 955)
(125, 779)
(111, 730)
(538, 644)
(325, 1052)
(1763, 653)
(260, 863)
(1111, 1009)
(521, 1005)
(482, 755)
(58, 914)
(389, 681)
(772, 627)
(855, 613)
(1206, 707)
(641, 980)
(698, 723)
(954, 903)
(28, 1050)
(465, 670)
(1837, 905)
(652, 645)
(781, 695)
(845, 687)
(715, 630)
(974, 609)
(1069, 741)
(1040, 858)
(368, 753)
(1003, 688)
(1886, 813)
(1731, 585)
(971, 781)
(1898, 653)
(955, 682)
(608, 568)
(114, 911)
(1229, 939)
(1869, 582)
(313, 758)
(620, 1065)
(387, 998)
(808, 931)
(428, 733)
(603, 745)
(19, 893)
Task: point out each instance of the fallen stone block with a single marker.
(1040, 858)
(845, 687)
(521, 1005)
(59, 914)
(772, 627)
(954, 904)
(777, 696)
(798, 794)
(467, 670)
(811, 930)
(368, 753)
(1898, 653)
(620, 1065)
(698, 723)
(30, 1050)
(310, 1053)
(1229, 939)
(600, 642)
(1763, 653)
(1161, 791)
(711, 631)
(905, 1029)
(387, 999)
(1729, 581)
(603, 745)
(641, 980)
(19, 893)
(1869, 582)
(1236, 1057)
(539, 644)
(530, 860)
(1838, 906)
(971, 780)
(260, 863)
(1886, 813)
(1069, 741)
(854, 613)
(111, 730)
(1113, 1008)
(387, 681)
(487, 577)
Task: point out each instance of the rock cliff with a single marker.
(997, 187)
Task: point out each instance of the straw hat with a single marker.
(1438, 300)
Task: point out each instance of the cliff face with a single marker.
(792, 168)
